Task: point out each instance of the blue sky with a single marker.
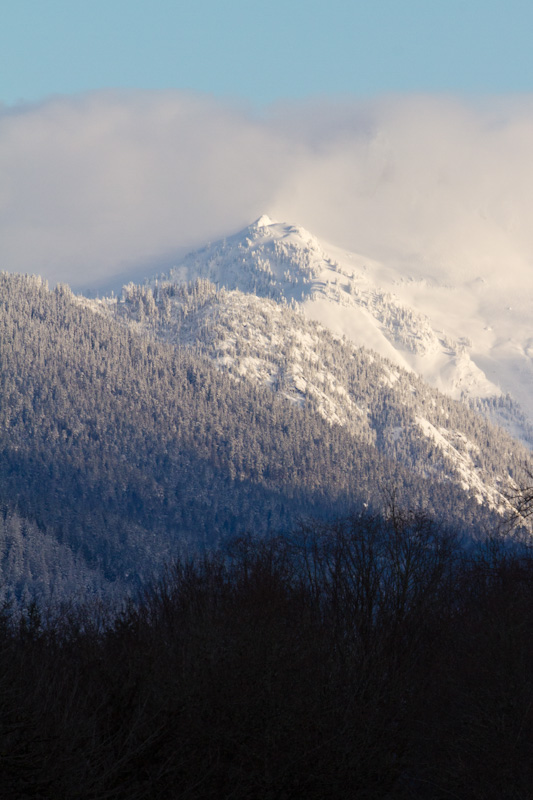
(265, 51)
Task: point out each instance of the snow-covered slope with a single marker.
(453, 337)
(261, 341)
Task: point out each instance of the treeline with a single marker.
(369, 658)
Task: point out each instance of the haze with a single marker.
(104, 183)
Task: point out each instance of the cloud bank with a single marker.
(99, 184)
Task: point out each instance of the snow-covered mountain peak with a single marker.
(470, 340)
(342, 291)
(265, 228)
(264, 221)
(270, 259)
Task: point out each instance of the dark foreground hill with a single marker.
(366, 659)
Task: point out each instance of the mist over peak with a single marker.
(101, 184)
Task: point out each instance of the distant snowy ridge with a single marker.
(288, 264)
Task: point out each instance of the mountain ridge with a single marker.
(353, 295)
(271, 344)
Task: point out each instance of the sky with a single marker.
(132, 130)
(265, 51)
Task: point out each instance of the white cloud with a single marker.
(94, 185)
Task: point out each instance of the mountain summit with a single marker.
(263, 222)
(453, 337)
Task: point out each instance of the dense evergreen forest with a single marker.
(368, 658)
(118, 453)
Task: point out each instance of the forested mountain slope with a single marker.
(466, 340)
(122, 451)
(266, 343)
